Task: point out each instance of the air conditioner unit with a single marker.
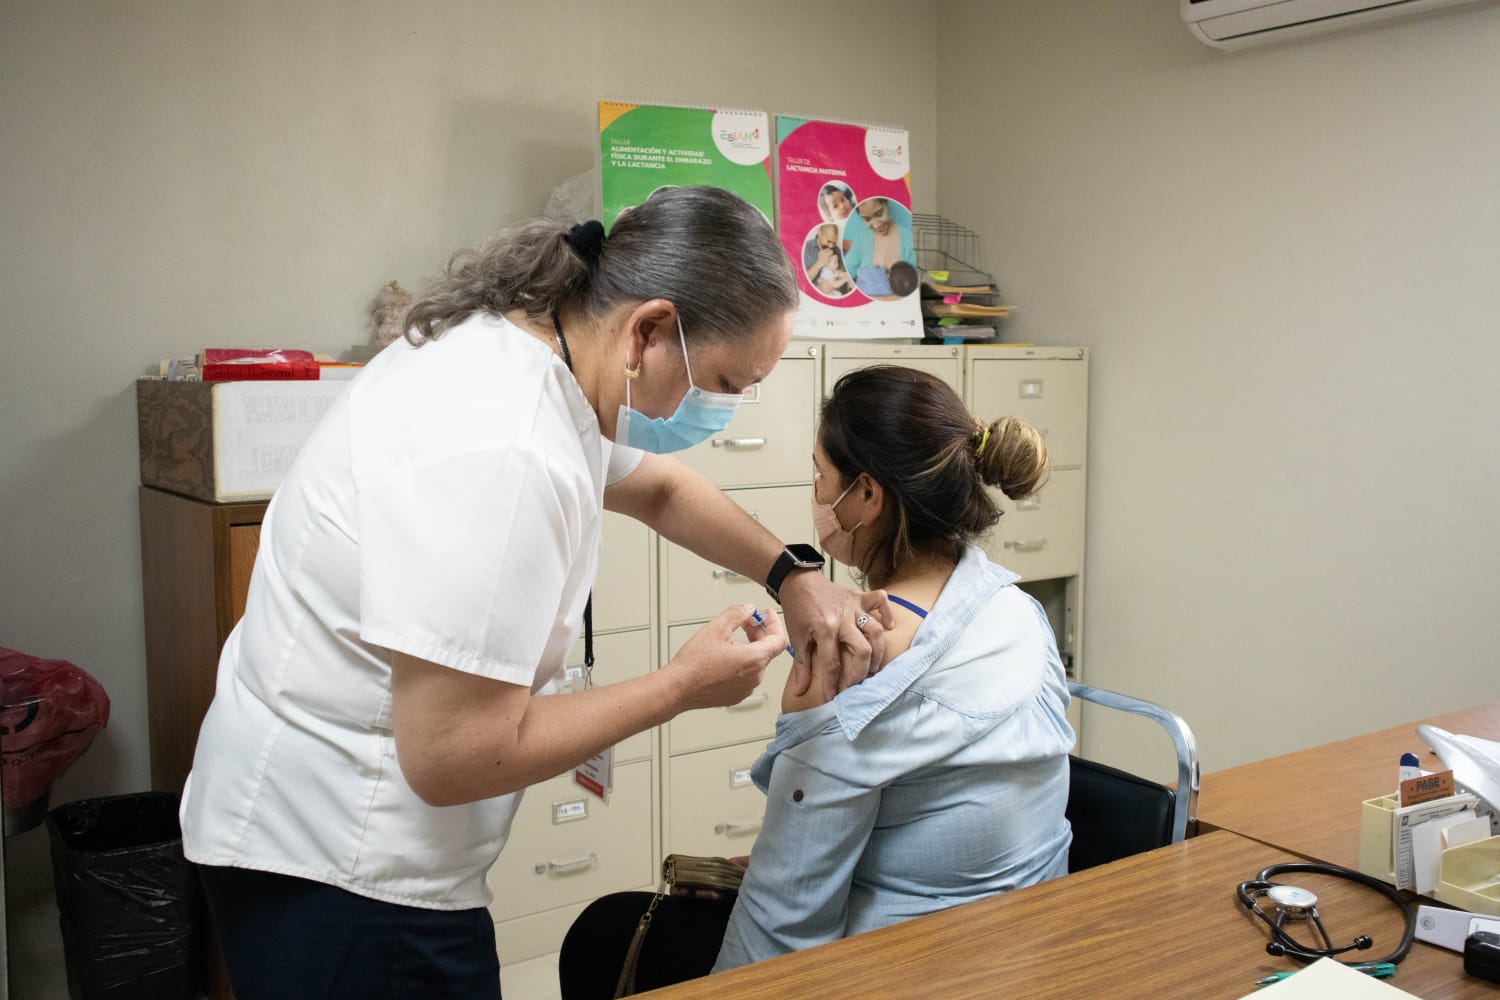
(1234, 24)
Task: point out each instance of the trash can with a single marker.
(127, 899)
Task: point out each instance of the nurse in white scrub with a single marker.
(428, 562)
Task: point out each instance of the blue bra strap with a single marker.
(908, 605)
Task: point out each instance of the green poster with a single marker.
(643, 147)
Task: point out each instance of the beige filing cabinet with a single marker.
(566, 846)
(1042, 538)
(764, 463)
(686, 787)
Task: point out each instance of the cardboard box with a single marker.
(222, 441)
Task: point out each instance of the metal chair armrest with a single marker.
(1185, 809)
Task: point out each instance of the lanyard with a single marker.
(588, 606)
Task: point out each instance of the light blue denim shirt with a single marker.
(940, 780)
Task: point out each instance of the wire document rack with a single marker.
(960, 300)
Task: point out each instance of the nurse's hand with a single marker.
(713, 670)
(833, 648)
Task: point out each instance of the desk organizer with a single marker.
(1470, 878)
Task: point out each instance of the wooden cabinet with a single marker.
(196, 559)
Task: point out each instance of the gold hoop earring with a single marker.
(633, 372)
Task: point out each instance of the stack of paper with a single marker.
(1327, 979)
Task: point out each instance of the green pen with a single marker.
(1380, 970)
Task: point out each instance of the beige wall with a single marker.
(180, 175)
(1283, 259)
(1285, 262)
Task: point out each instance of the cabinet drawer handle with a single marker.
(750, 704)
(727, 574)
(1027, 544)
(739, 829)
(739, 442)
(570, 867)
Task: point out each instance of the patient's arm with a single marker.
(897, 640)
(791, 701)
(796, 893)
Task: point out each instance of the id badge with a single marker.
(597, 774)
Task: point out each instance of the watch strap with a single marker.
(785, 563)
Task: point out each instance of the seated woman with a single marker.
(944, 777)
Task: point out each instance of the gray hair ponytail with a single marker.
(529, 266)
(704, 249)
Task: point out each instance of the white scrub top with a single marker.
(448, 506)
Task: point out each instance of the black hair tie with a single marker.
(587, 240)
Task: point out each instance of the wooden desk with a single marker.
(1308, 802)
(1162, 924)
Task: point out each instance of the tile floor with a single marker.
(36, 956)
(36, 959)
(533, 980)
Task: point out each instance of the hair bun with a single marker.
(586, 239)
(1012, 455)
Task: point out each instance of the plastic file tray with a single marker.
(1470, 878)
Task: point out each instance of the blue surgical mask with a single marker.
(700, 415)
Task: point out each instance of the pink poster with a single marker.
(843, 210)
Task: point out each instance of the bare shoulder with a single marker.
(897, 641)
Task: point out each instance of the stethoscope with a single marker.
(1294, 904)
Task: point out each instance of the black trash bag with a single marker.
(128, 900)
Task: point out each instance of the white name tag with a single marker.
(597, 774)
(566, 812)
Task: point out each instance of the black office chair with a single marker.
(1116, 814)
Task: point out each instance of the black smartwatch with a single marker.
(798, 555)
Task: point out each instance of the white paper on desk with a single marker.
(1427, 844)
(1327, 979)
(1459, 834)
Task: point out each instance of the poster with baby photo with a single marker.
(843, 199)
(643, 147)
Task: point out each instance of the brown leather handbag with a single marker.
(688, 875)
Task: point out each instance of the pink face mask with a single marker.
(837, 542)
